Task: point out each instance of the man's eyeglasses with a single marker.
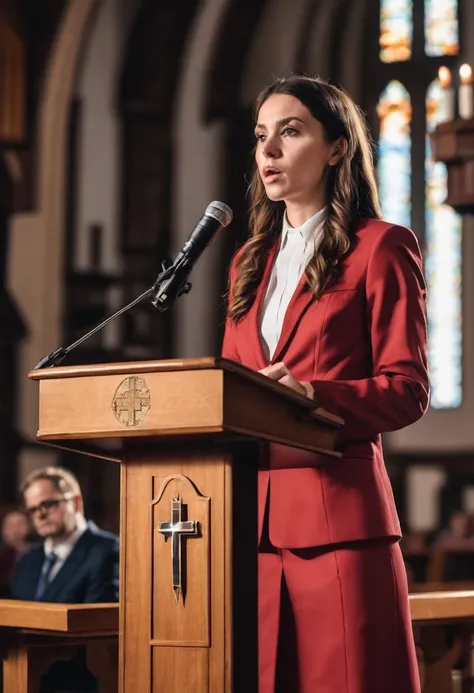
(45, 506)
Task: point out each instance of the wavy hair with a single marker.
(351, 192)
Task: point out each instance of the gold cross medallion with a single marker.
(131, 401)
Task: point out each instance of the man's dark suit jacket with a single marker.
(90, 573)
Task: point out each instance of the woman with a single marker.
(329, 299)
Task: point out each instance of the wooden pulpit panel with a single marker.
(186, 620)
(252, 411)
(171, 645)
(182, 674)
(168, 398)
(127, 405)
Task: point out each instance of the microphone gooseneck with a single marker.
(216, 216)
(172, 281)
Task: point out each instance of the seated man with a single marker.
(76, 563)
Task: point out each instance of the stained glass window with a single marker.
(441, 231)
(396, 30)
(441, 27)
(443, 267)
(394, 156)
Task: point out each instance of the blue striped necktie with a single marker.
(45, 576)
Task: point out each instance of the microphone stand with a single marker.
(57, 356)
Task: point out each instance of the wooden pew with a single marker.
(34, 635)
(443, 624)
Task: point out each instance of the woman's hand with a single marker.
(279, 372)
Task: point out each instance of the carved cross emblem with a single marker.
(131, 401)
(177, 530)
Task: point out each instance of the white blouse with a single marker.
(297, 246)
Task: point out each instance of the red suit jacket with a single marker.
(362, 346)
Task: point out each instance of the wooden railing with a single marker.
(33, 635)
(443, 624)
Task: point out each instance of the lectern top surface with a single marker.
(193, 364)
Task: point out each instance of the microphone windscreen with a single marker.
(219, 211)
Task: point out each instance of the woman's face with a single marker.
(292, 152)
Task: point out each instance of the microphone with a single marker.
(216, 216)
(171, 283)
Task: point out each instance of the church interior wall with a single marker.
(85, 66)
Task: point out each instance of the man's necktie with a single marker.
(45, 576)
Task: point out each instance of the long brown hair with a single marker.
(351, 192)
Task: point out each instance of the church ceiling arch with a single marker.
(153, 56)
(147, 92)
(241, 21)
(322, 44)
(327, 35)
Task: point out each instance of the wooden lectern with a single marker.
(190, 437)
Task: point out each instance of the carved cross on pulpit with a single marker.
(131, 401)
(177, 529)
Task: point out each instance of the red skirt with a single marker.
(335, 620)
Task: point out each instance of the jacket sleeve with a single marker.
(398, 392)
(229, 345)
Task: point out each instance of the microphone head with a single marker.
(219, 211)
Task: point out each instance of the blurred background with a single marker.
(120, 120)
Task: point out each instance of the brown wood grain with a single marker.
(27, 656)
(181, 670)
(165, 645)
(181, 401)
(442, 606)
(161, 635)
(272, 418)
(64, 618)
(166, 365)
(174, 623)
(210, 398)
